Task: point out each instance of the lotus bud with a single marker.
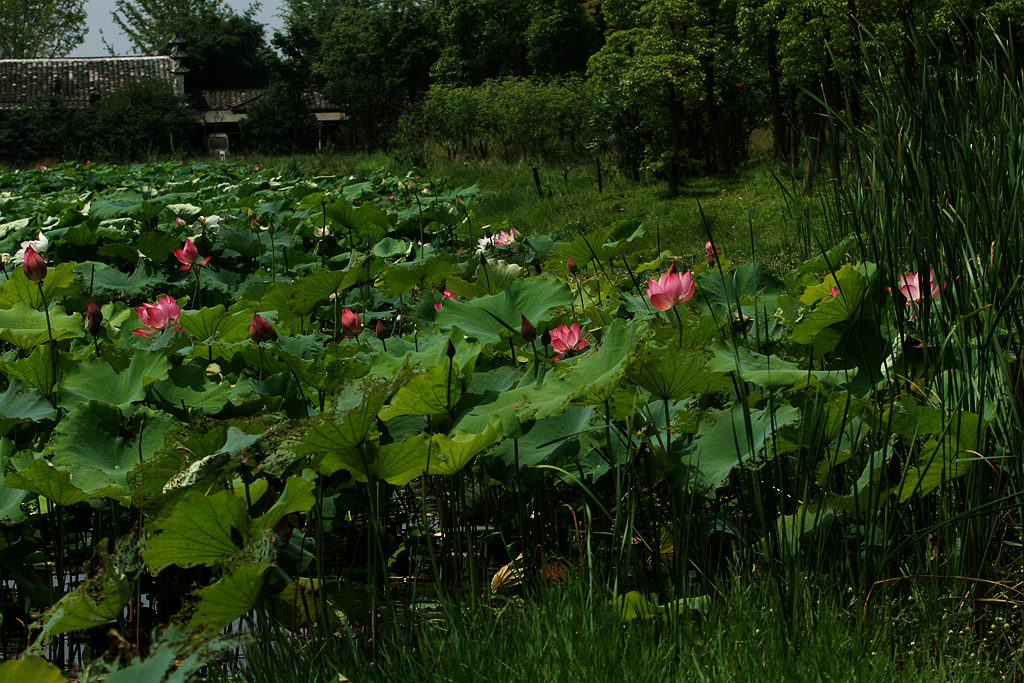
(527, 329)
(545, 339)
(34, 265)
(350, 322)
(450, 350)
(379, 330)
(260, 330)
(571, 265)
(93, 318)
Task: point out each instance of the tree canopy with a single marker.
(40, 28)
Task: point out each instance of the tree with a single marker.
(223, 49)
(560, 37)
(40, 28)
(481, 39)
(374, 60)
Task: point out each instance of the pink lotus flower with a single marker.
(446, 295)
(350, 324)
(912, 288)
(157, 317)
(188, 255)
(833, 291)
(710, 252)
(670, 289)
(503, 239)
(565, 339)
(34, 265)
(260, 330)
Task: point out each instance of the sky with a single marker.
(98, 20)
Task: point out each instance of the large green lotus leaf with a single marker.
(317, 286)
(396, 463)
(25, 327)
(59, 281)
(485, 317)
(491, 278)
(450, 453)
(104, 277)
(91, 443)
(296, 497)
(425, 352)
(156, 245)
(13, 226)
(30, 668)
(815, 328)
(725, 439)
(368, 223)
(911, 420)
(723, 290)
(430, 392)
(228, 598)
(674, 374)
(200, 529)
(769, 372)
(190, 386)
(216, 324)
(42, 478)
(95, 602)
(22, 404)
(586, 380)
(553, 440)
(96, 380)
(10, 504)
(127, 204)
(944, 458)
(37, 370)
(400, 278)
(152, 668)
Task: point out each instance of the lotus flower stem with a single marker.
(679, 324)
(49, 334)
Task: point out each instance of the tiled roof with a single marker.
(239, 100)
(74, 81)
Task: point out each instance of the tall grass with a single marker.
(571, 632)
(941, 187)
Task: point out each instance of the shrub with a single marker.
(280, 122)
(142, 119)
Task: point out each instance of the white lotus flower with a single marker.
(39, 245)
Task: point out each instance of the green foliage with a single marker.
(280, 122)
(141, 119)
(40, 29)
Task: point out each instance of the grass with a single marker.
(756, 198)
(572, 633)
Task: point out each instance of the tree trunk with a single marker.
(718, 141)
(780, 126)
(675, 142)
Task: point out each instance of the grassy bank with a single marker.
(755, 211)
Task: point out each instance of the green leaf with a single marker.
(216, 324)
(42, 478)
(192, 387)
(769, 372)
(723, 290)
(22, 404)
(95, 602)
(430, 392)
(400, 278)
(297, 497)
(150, 670)
(368, 223)
(36, 371)
(156, 245)
(537, 299)
(25, 327)
(96, 380)
(674, 374)
(818, 327)
(200, 529)
(227, 599)
(99, 447)
(60, 281)
(30, 668)
(727, 438)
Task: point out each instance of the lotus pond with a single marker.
(237, 403)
